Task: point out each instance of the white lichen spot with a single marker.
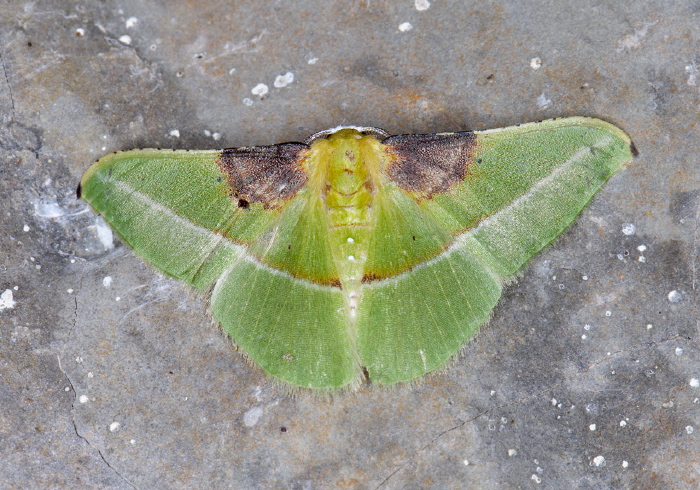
(553, 401)
(83, 399)
(465, 462)
(679, 351)
(675, 297)
(608, 313)
(543, 101)
(117, 298)
(48, 209)
(114, 426)
(405, 27)
(312, 61)
(512, 452)
(248, 101)
(536, 478)
(642, 258)
(6, 300)
(535, 63)
(351, 240)
(175, 133)
(251, 417)
(26, 228)
(125, 39)
(689, 429)
(80, 32)
(107, 281)
(132, 441)
(628, 229)
(623, 423)
(586, 327)
(633, 41)
(693, 74)
(422, 5)
(351, 258)
(591, 427)
(69, 291)
(668, 404)
(649, 326)
(625, 464)
(493, 392)
(216, 136)
(284, 80)
(131, 22)
(642, 248)
(260, 90)
(584, 336)
(585, 278)
(694, 382)
(104, 233)
(599, 461)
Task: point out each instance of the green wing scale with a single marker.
(356, 254)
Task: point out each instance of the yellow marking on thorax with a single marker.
(346, 170)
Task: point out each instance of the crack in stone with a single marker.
(9, 87)
(696, 236)
(75, 395)
(149, 65)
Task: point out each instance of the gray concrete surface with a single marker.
(587, 376)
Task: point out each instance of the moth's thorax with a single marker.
(349, 164)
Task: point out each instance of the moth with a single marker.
(356, 255)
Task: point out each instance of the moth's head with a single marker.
(380, 134)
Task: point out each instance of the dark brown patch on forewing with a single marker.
(264, 174)
(430, 163)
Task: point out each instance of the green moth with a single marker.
(356, 255)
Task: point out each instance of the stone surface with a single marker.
(112, 376)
